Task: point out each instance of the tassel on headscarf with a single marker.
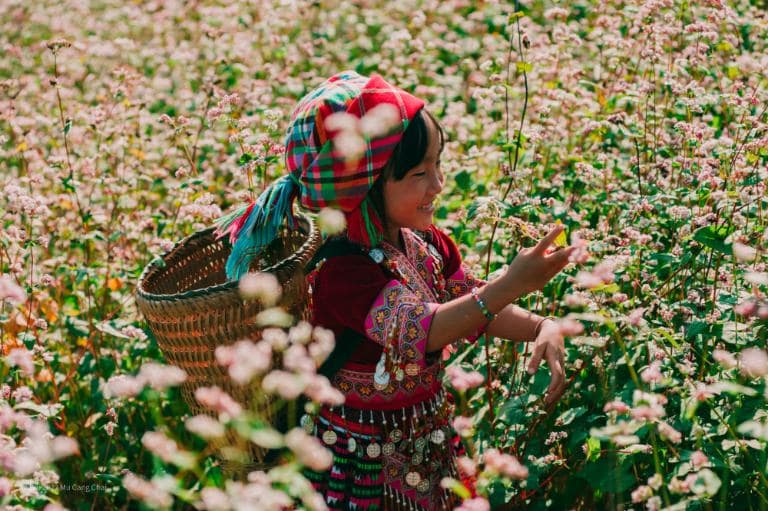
(364, 225)
(251, 228)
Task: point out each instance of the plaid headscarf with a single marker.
(320, 174)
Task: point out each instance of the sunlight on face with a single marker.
(411, 201)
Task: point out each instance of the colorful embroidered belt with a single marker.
(413, 447)
(357, 385)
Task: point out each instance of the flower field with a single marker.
(639, 125)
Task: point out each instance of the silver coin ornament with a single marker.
(420, 443)
(381, 376)
(423, 486)
(377, 255)
(373, 450)
(437, 436)
(395, 435)
(351, 444)
(413, 479)
(329, 437)
(388, 448)
(417, 458)
(307, 423)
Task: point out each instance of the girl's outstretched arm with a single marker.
(529, 271)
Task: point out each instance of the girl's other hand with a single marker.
(550, 347)
(534, 267)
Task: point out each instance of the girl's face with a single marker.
(410, 202)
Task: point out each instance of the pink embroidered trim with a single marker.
(359, 392)
(400, 317)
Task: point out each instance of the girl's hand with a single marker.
(534, 267)
(550, 346)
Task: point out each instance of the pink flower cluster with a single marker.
(463, 380)
(504, 464)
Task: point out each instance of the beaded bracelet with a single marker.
(539, 325)
(481, 303)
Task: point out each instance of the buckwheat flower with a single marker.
(218, 401)
(349, 145)
(380, 120)
(314, 501)
(296, 359)
(274, 316)
(63, 446)
(756, 278)
(21, 394)
(322, 346)
(283, 383)
(616, 406)
(699, 459)
(463, 425)
(166, 449)
(320, 390)
(474, 504)
(214, 499)
(570, 327)
(743, 252)
(214, 113)
(308, 449)
(635, 318)
(331, 221)
(10, 291)
(261, 286)
(275, 337)
(146, 491)
(342, 121)
(467, 466)
(504, 464)
(204, 426)
(669, 433)
(245, 359)
(648, 413)
(6, 485)
(301, 333)
(724, 358)
(123, 386)
(652, 373)
(160, 376)
(641, 494)
(678, 486)
(462, 380)
(653, 504)
(753, 362)
(109, 427)
(580, 255)
(21, 358)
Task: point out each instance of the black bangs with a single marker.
(413, 146)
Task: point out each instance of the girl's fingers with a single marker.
(538, 354)
(547, 240)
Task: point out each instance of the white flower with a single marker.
(331, 221)
(261, 286)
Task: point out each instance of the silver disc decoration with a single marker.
(388, 449)
(377, 255)
(329, 437)
(351, 444)
(420, 443)
(373, 450)
(395, 435)
(417, 458)
(307, 423)
(423, 486)
(381, 376)
(437, 436)
(413, 479)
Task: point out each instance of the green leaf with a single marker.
(569, 415)
(463, 180)
(524, 67)
(714, 238)
(67, 126)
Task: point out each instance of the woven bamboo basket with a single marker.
(191, 309)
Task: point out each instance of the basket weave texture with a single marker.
(191, 309)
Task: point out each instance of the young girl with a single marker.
(393, 289)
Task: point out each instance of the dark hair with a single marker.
(406, 155)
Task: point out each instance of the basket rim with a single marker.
(313, 236)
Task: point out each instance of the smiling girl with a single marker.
(394, 290)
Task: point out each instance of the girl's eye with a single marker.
(422, 173)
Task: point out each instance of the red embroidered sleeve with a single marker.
(400, 319)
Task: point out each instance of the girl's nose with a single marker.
(437, 182)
